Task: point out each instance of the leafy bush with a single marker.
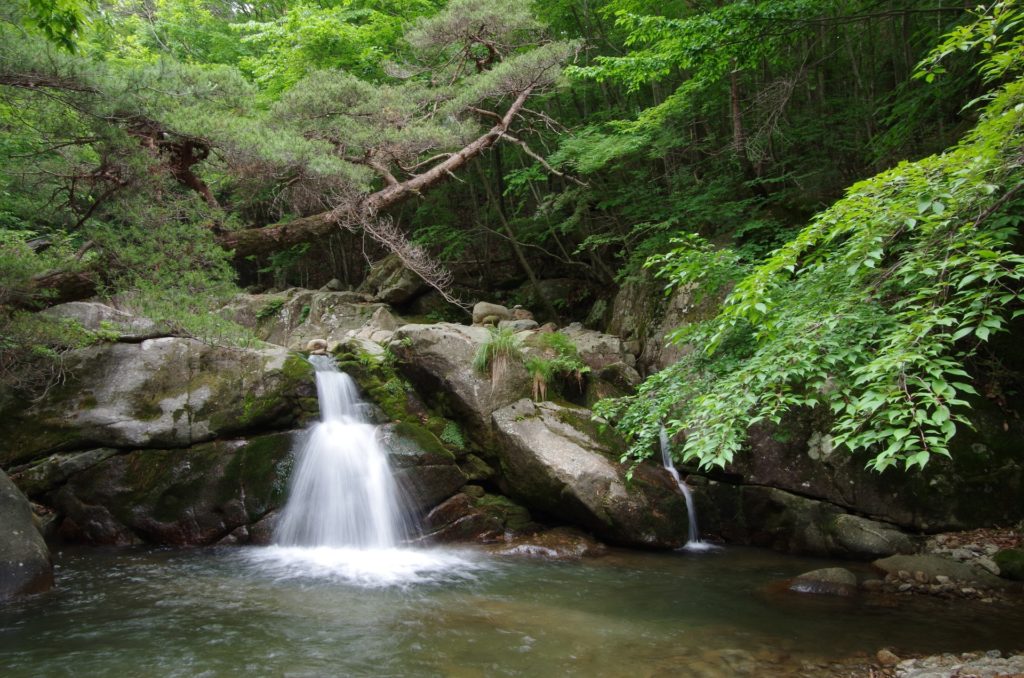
(870, 311)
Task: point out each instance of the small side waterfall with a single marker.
(693, 542)
(344, 518)
(342, 492)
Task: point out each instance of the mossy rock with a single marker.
(168, 392)
(513, 516)
(180, 497)
(1011, 563)
(414, 445)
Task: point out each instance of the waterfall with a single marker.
(342, 492)
(693, 542)
(344, 518)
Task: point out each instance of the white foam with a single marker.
(369, 568)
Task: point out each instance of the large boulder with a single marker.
(24, 559)
(426, 471)
(165, 392)
(293, 317)
(555, 461)
(391, 282)
(774, 518)
(979, 485)
(186, 497)
(438, 360)
(98, 317)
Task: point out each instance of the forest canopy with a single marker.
(839, 179)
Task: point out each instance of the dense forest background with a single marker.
(839, 178)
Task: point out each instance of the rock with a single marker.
(437, 359)
(932, 567)
(832, 581)
(484, 310)
(184, 497)
(459, 520)
(517, 325)
(868, 538)
(317, 346)
(611, 381)
(786, 522)
(1010, 563)
(334, 285)
(425, 470)
(25, 566)
(560, 543)
(391, 282)
(598, 350)
(98, 317)
(950, 494)
(40, 477)
(553, 461)
(293, 317)
(976, 664)
(167, 392)
(885, 657)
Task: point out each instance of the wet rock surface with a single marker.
(553, 460)
(834, 581)
(25, 566)
(186, 497)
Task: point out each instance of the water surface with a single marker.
(245, 611)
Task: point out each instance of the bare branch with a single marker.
(536, 156)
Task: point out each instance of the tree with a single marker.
(873, 310)
(338, 150)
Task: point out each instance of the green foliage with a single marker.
(870, 311)
(452, 436)
(59, 21)
(558, 358)
(498, 353)
(270, 309)
(355, 36)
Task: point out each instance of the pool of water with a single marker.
(235, 611)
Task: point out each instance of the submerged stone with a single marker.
(831, 581)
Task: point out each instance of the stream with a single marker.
(234, 611)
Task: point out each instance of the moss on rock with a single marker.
(1011, 563)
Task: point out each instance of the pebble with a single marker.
(977, 664)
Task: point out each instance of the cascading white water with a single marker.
(693, 542)
(342, 492)
(344, 518)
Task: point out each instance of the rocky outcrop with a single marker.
(293, 317)
(980, 485)
(764, 516)
(438, 360)
(389, 281)
(103, 318)
(25, 566)
(552, 463)
(164, 392)
(181, 497)
(426, 471)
